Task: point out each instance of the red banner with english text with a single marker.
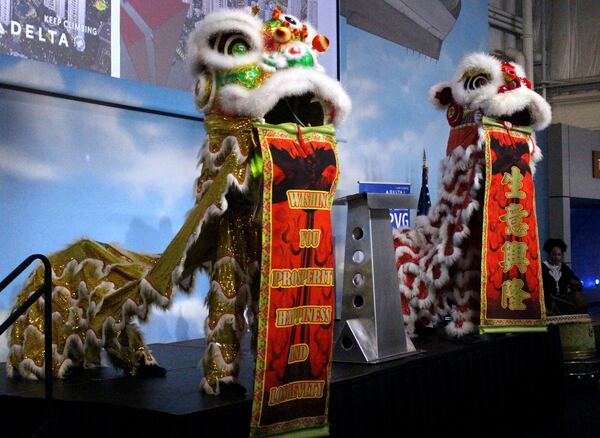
(297, 298)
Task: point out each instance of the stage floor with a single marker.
(473, 383)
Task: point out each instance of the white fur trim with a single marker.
(488, 99)
(225, 319)
(200, 53)
(231, 144)
(436, 89)
(435, 246)
(536, 154)
(204, 386)
(453, 330)
(81, 311)
(257, 102)
(186, 283)
(213, 353)
(516, 100)
(477, 61)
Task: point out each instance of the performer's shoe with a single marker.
(152, 370)
(229, 387)
(73, 372)
(148, 367)
(466, 339)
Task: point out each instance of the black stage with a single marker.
(504, 385)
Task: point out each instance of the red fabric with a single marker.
(306, 163)
(431, 257)
(462, 136)
(507, 152)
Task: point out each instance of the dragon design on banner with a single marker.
(475, 255)
(268, 108)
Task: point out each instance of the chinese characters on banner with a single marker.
(511, 285)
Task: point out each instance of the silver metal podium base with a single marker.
(354, 345)
(372, 324)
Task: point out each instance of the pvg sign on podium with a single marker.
(399, 218)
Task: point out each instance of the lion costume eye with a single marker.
(290, 20)
(477, 81)
(238, 47)
(226, 39)
(233, 44)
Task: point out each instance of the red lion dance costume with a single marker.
(475, 256)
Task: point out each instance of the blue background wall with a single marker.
(585, 247)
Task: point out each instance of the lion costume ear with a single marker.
(204, 90)
(440, 95)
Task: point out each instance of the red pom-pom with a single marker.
(320, 43)
(444, 97)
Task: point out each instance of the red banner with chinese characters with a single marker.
(512, 297)
(291, 389)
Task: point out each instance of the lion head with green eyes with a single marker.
(265, 70)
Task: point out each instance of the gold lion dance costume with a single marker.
(476, 256)
(260, 228)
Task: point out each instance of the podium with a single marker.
(372, 325)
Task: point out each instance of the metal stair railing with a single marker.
(46, 291)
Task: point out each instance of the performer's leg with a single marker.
(227, 300)
(466, 287)
(127, 350)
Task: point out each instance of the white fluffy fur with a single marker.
(284, 81)
(230, 144)
(487, 97)
(237, 100)
(201, 54)
(477, 61)
(515, 100)
(85, 308)
(428, 248)
(204, 386)
(434, 90)
(536, 154)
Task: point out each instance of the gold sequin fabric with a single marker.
(91, 282)
(234, 284)
(98, 288)
(231, 141)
